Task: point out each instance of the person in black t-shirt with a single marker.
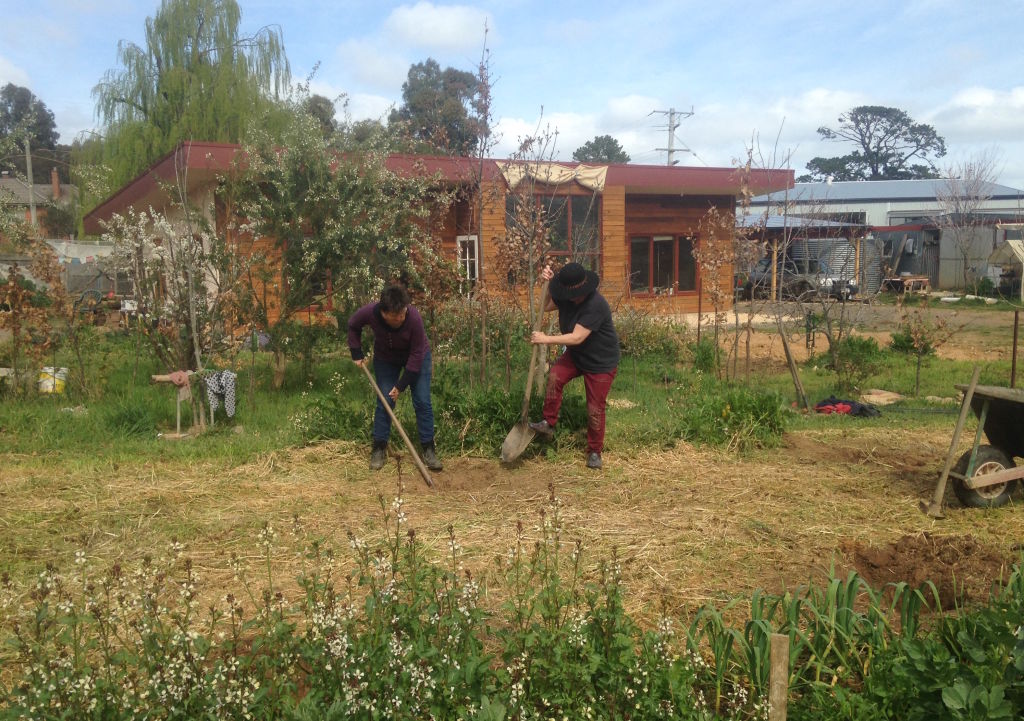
(592, 351)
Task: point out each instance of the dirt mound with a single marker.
(961, 567)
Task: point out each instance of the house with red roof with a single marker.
(636, 225)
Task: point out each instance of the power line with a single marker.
(674, 116)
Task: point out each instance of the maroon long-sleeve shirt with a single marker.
(406, 345)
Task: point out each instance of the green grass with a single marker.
(656, 400)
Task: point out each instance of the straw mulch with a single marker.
(688, 525)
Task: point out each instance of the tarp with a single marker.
(589, 176)
(1010, 255)
(1010, 252)
(72, 253)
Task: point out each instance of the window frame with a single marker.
(649, 288)
(469, 263)
(591, 258)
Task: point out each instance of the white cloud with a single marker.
(997, 115)
(11, 73)
(369, 107)
(353, 106)
(453, 28)
(372, 64)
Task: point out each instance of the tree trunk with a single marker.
(797, 383)
(280, 362)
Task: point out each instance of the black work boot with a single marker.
(430, 458)
(543, 429)
(379, 456)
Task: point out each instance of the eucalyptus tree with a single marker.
(198, 76)
(441, 108)
(26, 117)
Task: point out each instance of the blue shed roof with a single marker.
(886, 191)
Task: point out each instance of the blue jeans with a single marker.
(387, 376)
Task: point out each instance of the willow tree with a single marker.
(198, 77)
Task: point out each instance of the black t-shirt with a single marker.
(599, 353)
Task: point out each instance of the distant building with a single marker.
(908, 229)
(24, 198)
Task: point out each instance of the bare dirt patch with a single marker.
(961, 568)
(974, 333)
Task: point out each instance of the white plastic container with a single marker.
(52, 380)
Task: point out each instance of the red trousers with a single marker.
(597, 386)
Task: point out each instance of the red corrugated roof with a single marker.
(202, 162)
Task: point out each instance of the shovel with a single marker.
(401, 431)
(521, 434)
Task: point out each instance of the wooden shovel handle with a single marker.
(536, 350)
(401, 431)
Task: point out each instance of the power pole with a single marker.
(31, 184)
(674, 116)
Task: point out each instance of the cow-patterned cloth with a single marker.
(220, 388)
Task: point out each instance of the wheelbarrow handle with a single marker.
(934, 508)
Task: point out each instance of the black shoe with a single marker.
(430, 458)
(593, 459)
(542, 428)
(379, 456)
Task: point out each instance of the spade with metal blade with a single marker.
(521, 434)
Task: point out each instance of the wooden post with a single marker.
(778, 685)
(934, 509)
(1013, 361)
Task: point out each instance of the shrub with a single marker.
(738, 417)
(334, 414)
(642, 335)
(903, 341)
(706, 355)
(853, 359)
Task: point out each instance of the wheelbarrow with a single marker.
(986, 475)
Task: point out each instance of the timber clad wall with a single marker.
(492, 228)
(614, 244)
(622, 217)
(672, 215)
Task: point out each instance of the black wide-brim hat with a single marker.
(572, 281)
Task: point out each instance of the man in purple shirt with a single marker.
(401, 359)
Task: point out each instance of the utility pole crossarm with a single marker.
(674, 116)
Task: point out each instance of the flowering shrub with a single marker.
(399, 636)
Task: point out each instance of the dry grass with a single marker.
(688, 525)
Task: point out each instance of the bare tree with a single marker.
(960, 197)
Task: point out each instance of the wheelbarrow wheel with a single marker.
(988, 460)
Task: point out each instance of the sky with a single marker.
(755, 75)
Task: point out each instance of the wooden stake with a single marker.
(797, 383)
(778, 684)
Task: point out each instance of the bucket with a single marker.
(52, 380)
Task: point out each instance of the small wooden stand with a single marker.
(184, 394)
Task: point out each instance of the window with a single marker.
(572, 222)
(468, 254)
(662, 264)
